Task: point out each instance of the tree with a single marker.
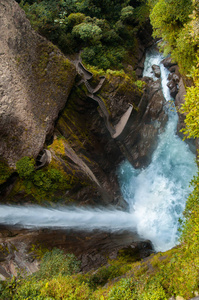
(127, 14)
(87, 32)
(167, 18)
(25, 167)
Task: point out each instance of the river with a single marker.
(157, 194)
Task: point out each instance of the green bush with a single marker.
(191, 106)
(5, 171)
(28, 290)
(127, 14)
(65, 288)
(25, 167)
(124, 290)
(104, 57)
(87, 32)
(74, 25)
(56, 263)
(153, 292)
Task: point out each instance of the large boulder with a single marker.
(36, 80)
(156, 70)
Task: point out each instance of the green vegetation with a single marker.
(56, 263)
(42, 183)
(5, 171)
(52, 281)
(191, 106)
(104, 30)
(176, 23)
(25, 167)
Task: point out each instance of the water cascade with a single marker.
(156, 195)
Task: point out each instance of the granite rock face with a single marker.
(93, 249)
(146, 123)
(35, 81)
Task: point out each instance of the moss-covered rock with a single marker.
(36, 79)
(5, 171)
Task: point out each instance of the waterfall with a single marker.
(66, 218)
(156, 195)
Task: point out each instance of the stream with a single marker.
(156, 195)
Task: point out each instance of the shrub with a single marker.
(5, 171)
(56, 263)
(25, 167)
(65, 287)
(153, 292)
(191, 106)
(127, 13)
(87, 32)
(125, 290)
(28, 290)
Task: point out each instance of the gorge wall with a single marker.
(43, 105)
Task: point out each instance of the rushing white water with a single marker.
(65, 217)
(156, 195)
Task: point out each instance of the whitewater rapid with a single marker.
(156, 195)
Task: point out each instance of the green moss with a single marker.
(74, 128)
(5, 171)
(25, 167)
(60, 67)
(58, 146)
(127, 85)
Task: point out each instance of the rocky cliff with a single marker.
(36, 80)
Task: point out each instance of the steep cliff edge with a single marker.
(36, 80)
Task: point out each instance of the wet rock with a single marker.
(145, 125)
(156, 70)
(173, 84)
(167, 62)
(144, 40)
(92, 248)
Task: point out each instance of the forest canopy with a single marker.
(94, 27)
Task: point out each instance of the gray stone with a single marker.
(156, 70)
(36, 80)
